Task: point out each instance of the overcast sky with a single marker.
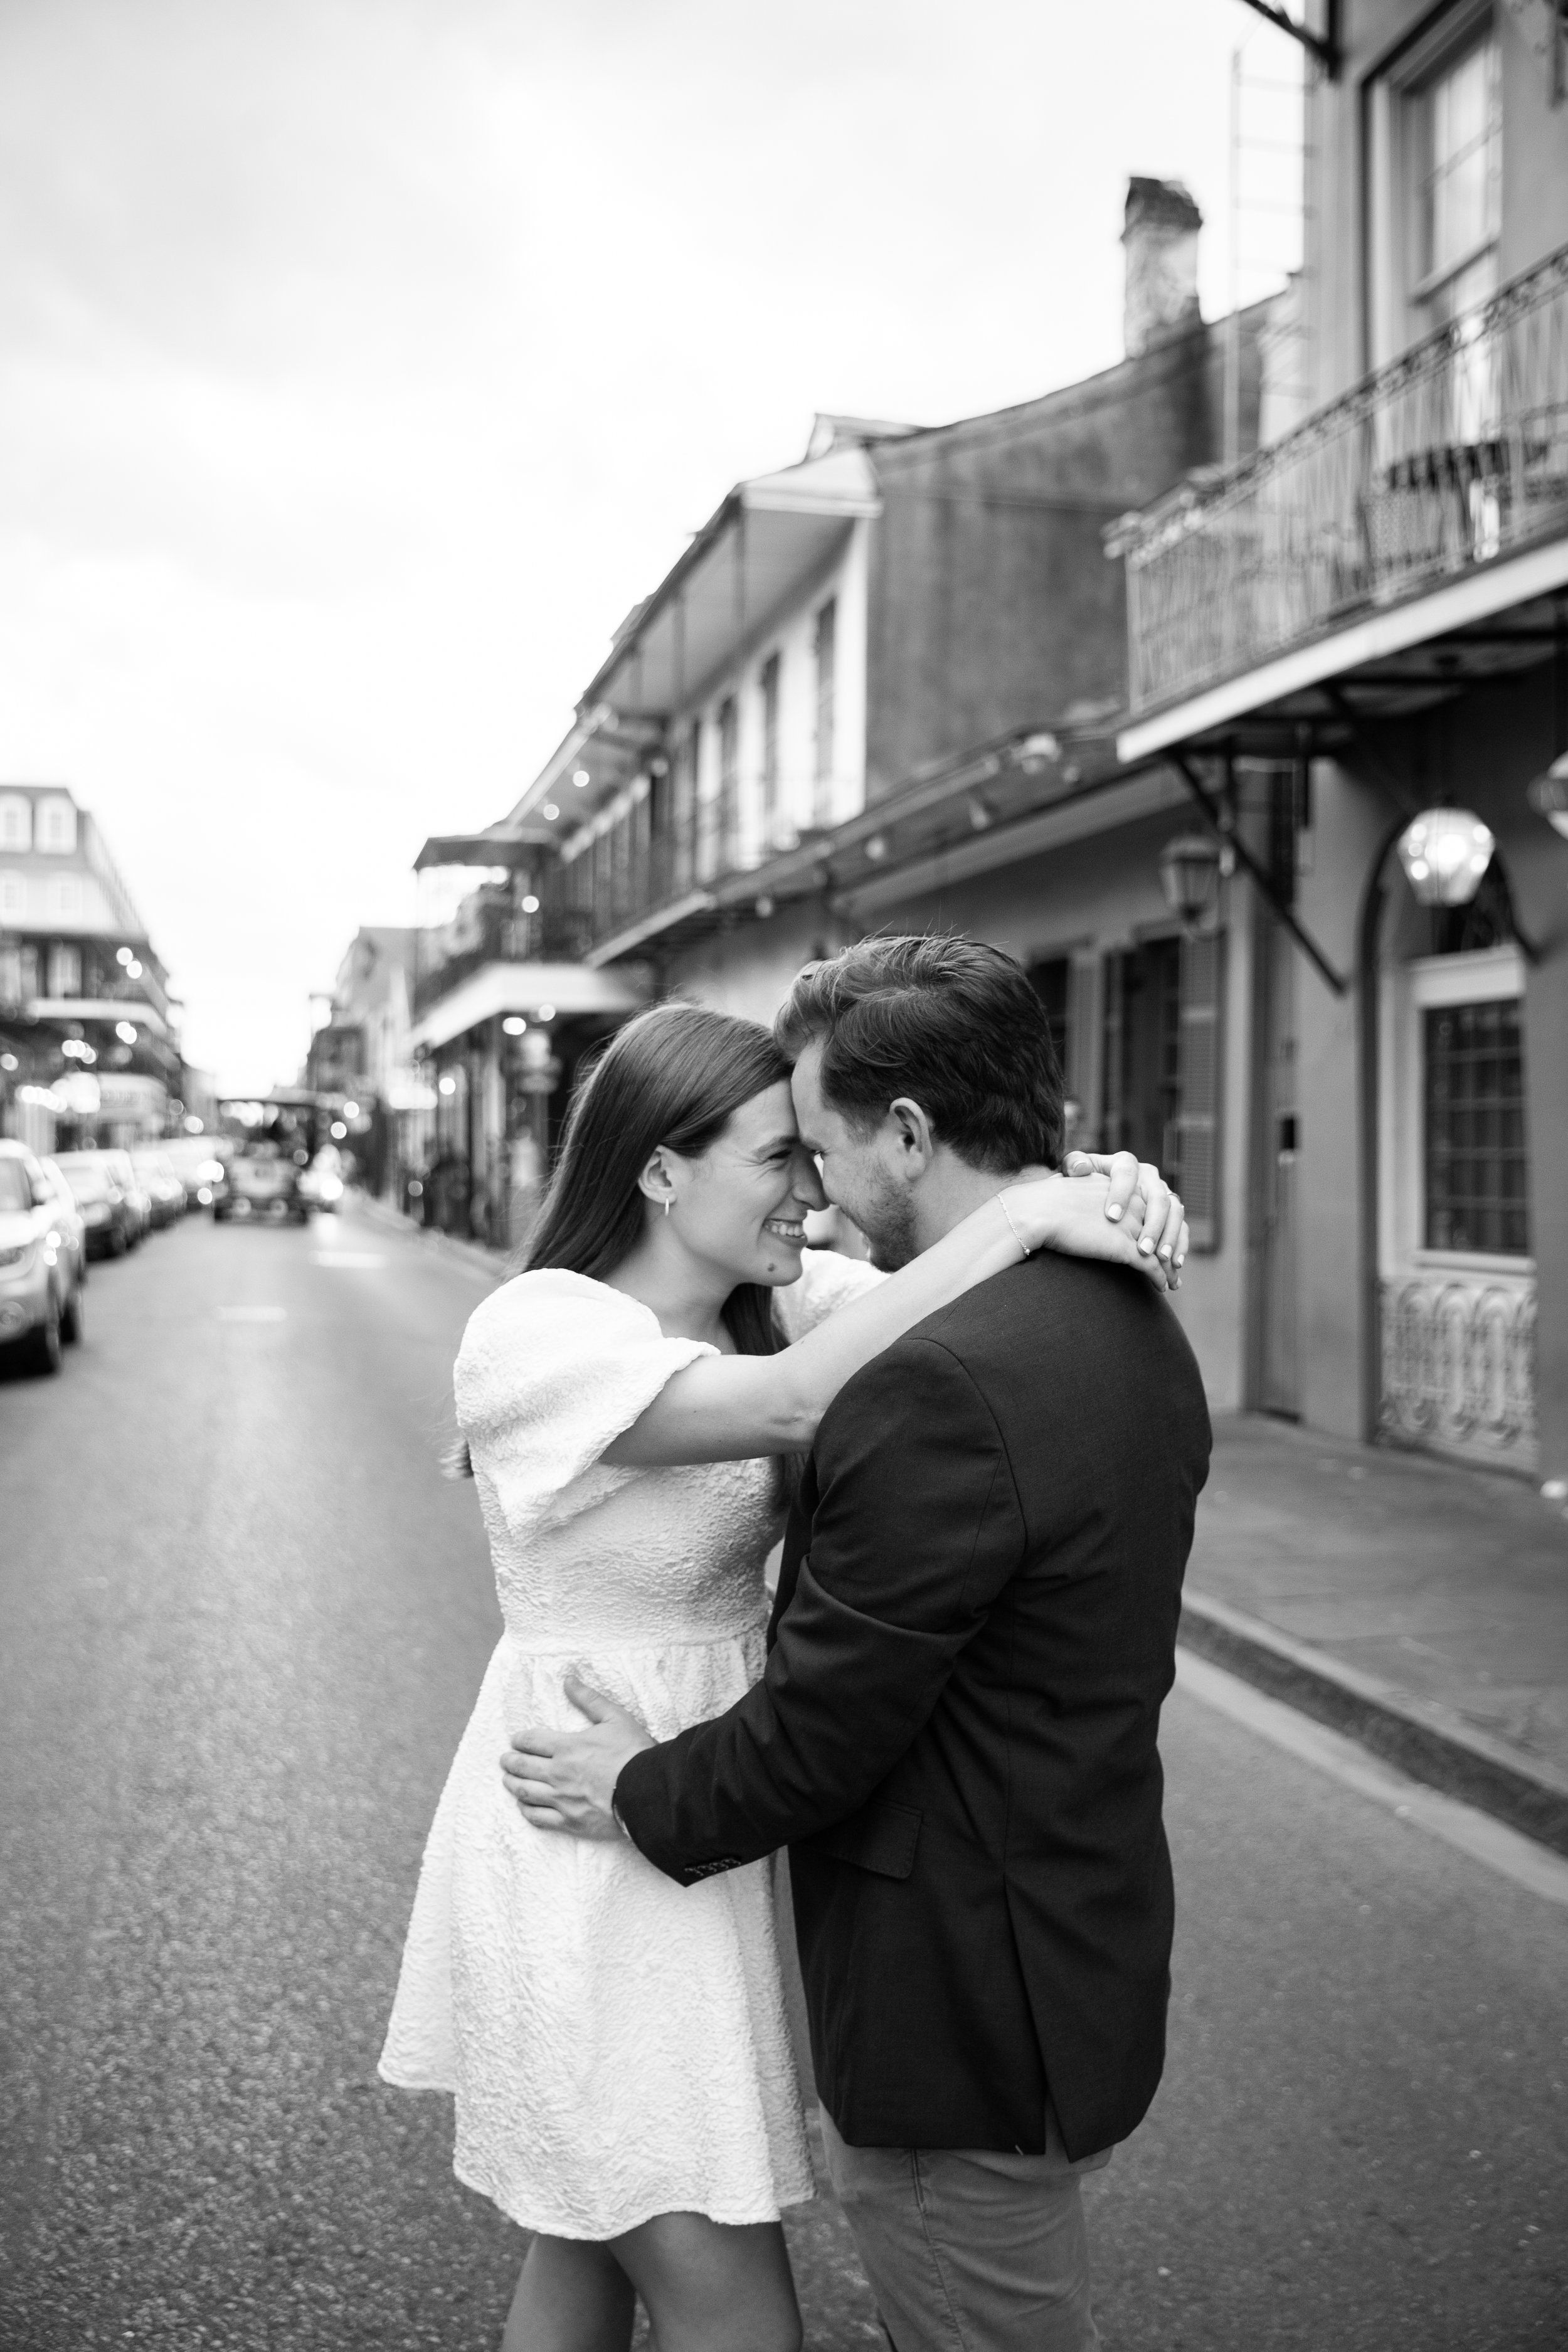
(365, 360)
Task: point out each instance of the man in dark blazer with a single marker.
(956, 1732)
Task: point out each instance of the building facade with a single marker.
(1355, 644)
(89, 1044)
(882, 690)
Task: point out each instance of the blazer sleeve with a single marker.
(918, 1528)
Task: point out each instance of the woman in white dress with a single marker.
(617, 2045)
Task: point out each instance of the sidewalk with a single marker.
(1421, 1607)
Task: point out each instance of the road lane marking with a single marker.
(1463, 1826)
(252, 1314)
(353, 1261)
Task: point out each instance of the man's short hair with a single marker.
(950, 1023)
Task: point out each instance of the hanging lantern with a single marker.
(1548, 795)
(1445, 852)
(1190, 868)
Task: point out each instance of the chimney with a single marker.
(1161, 236)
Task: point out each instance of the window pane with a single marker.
(1465, 151)
(1477, 1184)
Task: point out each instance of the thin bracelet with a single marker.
(1012, 1228)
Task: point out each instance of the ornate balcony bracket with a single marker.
(1217, 817)
(1326, 49)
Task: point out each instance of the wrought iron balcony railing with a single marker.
(500, 934)
(1454, 453)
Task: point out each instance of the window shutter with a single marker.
(1197, 1122)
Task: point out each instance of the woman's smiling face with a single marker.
(740, 1205)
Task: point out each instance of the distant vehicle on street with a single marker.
(323, 1179)
(107, 1209)
(161, 1181)
(271, 1144)
(198, 1161)
(40, 1272)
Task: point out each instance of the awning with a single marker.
(499, 988)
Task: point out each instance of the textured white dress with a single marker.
(617, 2044)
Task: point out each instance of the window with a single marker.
(10, 975)
(770, 686)
(65, 970)
(1458, 147)
(65, 901)
(688, 787)
(13, 897)
(16, 821)
(825, 654)
(708, 799)
(1477, 1195)
(729, 783)
(56, 828)
(1052, 983)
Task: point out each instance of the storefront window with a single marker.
(1477, 1193)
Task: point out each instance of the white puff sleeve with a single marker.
(828, 1280)
(552, 1369)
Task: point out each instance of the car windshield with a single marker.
(86, 1181)
(16, 1192)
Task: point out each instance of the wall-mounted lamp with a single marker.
(765, 908)
(877, 849)
(1548, 795)
(1445, 852)
(980, 816)
(1190, 868)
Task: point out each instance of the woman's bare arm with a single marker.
(728, 1408)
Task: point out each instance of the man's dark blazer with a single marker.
(955, 1734)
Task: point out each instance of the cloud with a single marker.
(366, 359)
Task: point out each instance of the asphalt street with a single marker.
(243, 1621)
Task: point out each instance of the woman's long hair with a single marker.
(673, 1076)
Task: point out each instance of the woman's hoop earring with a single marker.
(667, 1204)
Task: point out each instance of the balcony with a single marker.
(495, 934)
(1441, 464)
(493, 959)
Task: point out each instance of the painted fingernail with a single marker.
(1164, 1249)
(1145, 1246)
(1113, 1211)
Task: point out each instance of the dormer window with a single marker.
(56, 825)
(16, 821)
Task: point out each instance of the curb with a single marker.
(1421, 1738)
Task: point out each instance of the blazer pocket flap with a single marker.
(880, 1837)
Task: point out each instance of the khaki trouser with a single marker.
(970, 2249)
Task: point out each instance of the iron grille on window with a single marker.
(1476, 1183)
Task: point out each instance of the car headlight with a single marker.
(15, 1260)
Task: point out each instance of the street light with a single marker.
(1190, 868)
(1444, 853)
(1548, 795)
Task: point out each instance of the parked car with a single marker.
(41, 1277)
(263, 1180)
(107, 1210)
(199, 1162)
(162, 1183)
(135, 1191)
(72, 1224)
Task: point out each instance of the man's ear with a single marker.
(915, 1145)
